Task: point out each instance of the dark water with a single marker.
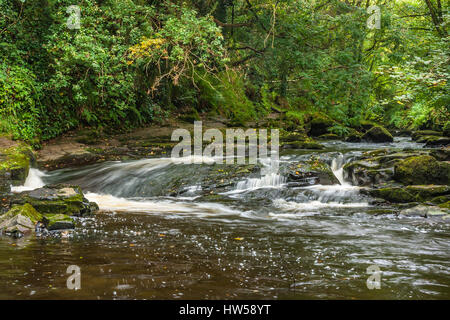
(260, 238)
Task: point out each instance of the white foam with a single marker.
(112, 203)
(33, 181)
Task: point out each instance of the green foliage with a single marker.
(134, 62)
(19, 105)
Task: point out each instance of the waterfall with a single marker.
(337, 166)
(269, 180)
(33, 181)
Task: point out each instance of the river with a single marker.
(260, 238)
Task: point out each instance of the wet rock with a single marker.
(15, 164)
(56, 199)
(313, 171)
(58, 222)
(391, 194)
(378, 134)
(413, 193)
(442, 154)
(367, 173)
(329, 136)
(426, 212)
(308, 144)
(20, 220)
(434, 141)
(422, 170)
(420, 133)
(378, 212)
(426, 192)
(74, 159)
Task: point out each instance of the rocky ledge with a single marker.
(44, 211)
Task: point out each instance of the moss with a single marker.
(395, 194)
(417, 134)
(302, 145)
(320, 124)
(378, 134)
(366, 125)
(26, 210)
(58, 221)
(445, 205)
(16, 162)
(329, 136)
(380, 211)
(354, 137)
(440, 199)
(422, 170)
(428, 191)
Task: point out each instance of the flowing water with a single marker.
(259, 238)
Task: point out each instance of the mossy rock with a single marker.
(426, 192)
(354, 137)
(15, 164)
(366, 125)
(421, 170)
(320, 124)
(20, 219)
(329, 136)
(392, 194)
(417, 134)
(58, 222)
(53, 199)
(435, 141)
(441, 154)
(426, 212)
(313, 171)
(292, 136)
(378, 212)
(312, 145)
(378, 134)
(445, 205)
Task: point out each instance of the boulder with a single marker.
(423, 169)
(417, 134)
(15, 164)
(391, 194)
(20, 220)
(58, 222)
(320, 124)
(354, 137)
(435, 141)
(378, 134)
(56, 199)
(426, 212)
(310, 172)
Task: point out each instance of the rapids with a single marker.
(256, 238)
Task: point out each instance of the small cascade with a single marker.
(337, 166)
(33, 181)
(269, 180)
